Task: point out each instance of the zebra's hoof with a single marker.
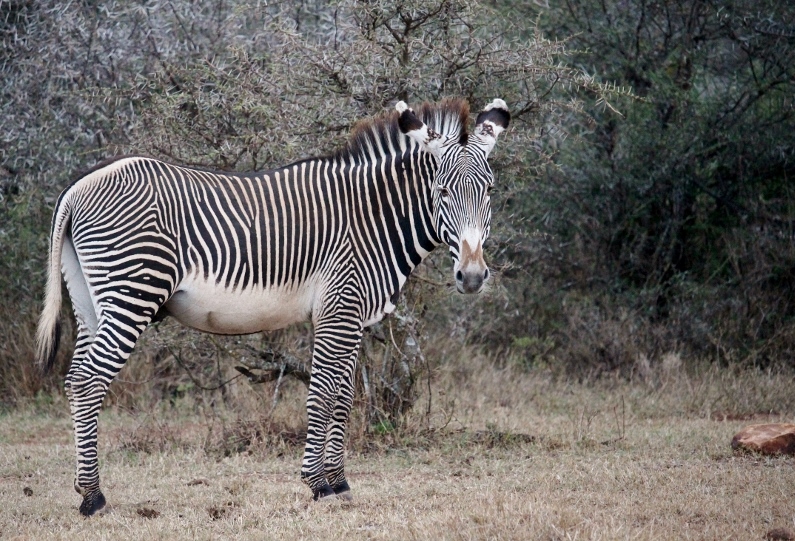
(343, 491)
(92, 503)
(324, 493)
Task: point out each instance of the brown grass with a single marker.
(520, 456)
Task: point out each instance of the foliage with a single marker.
(670, 227)
(643, 209)
(243, 86)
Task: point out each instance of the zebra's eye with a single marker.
(490, 189)
(444, 193)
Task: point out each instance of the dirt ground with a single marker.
(606, 462)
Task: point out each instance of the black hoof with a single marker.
(92, 503)
(323, 492)
(343, 491)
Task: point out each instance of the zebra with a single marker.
(332, 238)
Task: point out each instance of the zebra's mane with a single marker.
(447, 117)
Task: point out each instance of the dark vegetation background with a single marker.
(646, 204)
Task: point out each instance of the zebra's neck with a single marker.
(392, 226)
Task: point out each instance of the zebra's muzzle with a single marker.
(471, 282)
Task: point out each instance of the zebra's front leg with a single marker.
(335, 438)
(335, 344)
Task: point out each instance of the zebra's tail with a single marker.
(48, 334)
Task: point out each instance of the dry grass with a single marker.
(609, 460)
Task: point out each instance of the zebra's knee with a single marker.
(72, 380)
(85, 397)
(83, 383)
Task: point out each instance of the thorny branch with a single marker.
(274, 366)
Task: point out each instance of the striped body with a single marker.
(331, 239)
(236, 254)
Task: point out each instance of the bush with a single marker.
(669, 227)
(229, 86)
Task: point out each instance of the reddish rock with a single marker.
(780, 534)
(768, 439)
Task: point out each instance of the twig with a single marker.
(276, 390)
(428, 373)
(274, 363)
(366, 385)
(194, 380)
(620, 427)
(432, 282)
(392, 336)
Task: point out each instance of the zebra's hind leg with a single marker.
(335, 438)
(86, 319)
(336, 342)
(82, 347)
(87, 386)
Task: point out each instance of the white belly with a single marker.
(211, 307)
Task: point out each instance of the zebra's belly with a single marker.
(211, 307)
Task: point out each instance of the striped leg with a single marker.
(335, 438)
(85, 397)
(82, 347)
(87, 384)
(336, 342)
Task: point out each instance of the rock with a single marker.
(221, 511)
(768, 439)
(199, 481)
(780, 534)
(147, 512)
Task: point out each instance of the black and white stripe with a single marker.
(332, 239)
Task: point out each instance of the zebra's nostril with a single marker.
(459, 276)
(486, 275)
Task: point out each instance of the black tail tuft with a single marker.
(50, 361)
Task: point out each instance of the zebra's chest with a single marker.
(211, 307)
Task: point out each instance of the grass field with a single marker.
(522, 456)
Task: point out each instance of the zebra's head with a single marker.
(461, 186)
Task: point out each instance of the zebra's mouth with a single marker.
(471, 282)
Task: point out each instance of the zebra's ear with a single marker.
(411, 125)
(490, 123)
